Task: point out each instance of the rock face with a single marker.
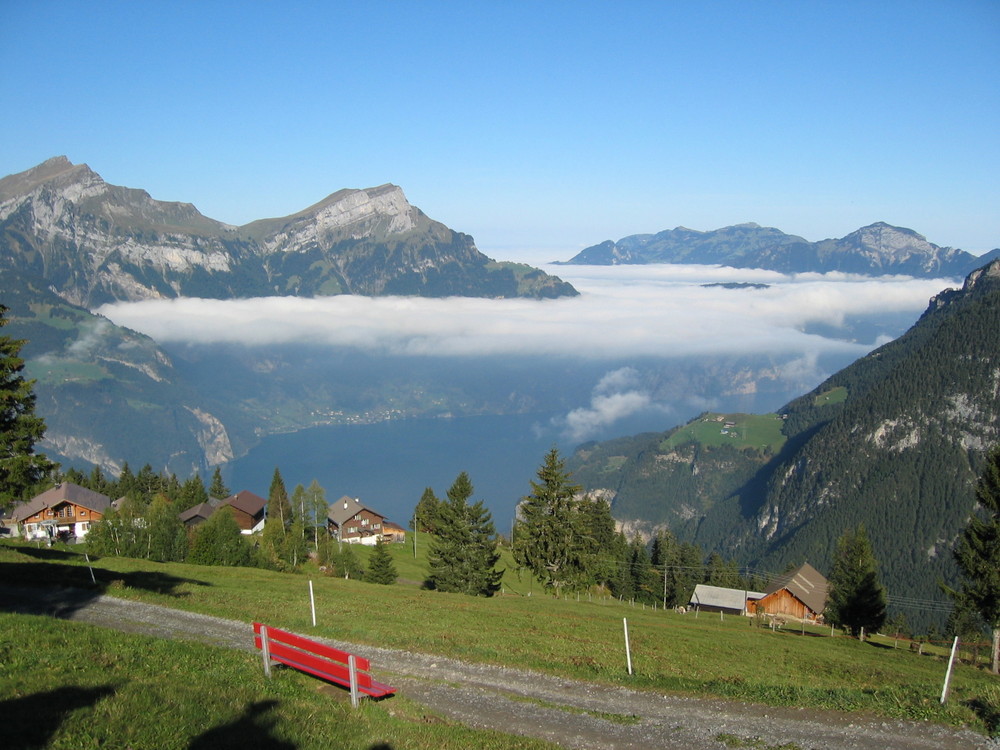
(96, 243)
(876, 249)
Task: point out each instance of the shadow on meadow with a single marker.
(54, 586)
(253, 728)
(32, 721)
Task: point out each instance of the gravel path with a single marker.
(565, 712)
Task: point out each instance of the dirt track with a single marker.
(565, 712)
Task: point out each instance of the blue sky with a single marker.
(537, 127)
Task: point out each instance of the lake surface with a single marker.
(388, 465)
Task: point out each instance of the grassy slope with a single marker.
(581, 639)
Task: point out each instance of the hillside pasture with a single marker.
(759, 431)
(579, 637)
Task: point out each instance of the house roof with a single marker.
(67, 492)
(247, 502)
(201, 510)
(805, 583)
(345, 509)
(717, 596)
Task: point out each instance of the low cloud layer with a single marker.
(625, 311)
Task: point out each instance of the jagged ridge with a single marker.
(98, 243)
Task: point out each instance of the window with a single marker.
(364, 521)
(377, 526)
(83, 512)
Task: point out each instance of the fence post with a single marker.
(947, 674)
(312, 602)
(628, 650)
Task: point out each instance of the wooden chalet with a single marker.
(393, 532)
(719, 599)
(800, 594)
(65, 511)
(350, 521)
(249, 510)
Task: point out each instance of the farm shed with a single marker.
(718, 599)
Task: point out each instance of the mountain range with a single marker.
(95, 243)
(877, 249)
(894, 441)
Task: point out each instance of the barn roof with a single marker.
(805, 583)
(201, 510)
(717, 596)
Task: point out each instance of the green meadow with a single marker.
(579, 637)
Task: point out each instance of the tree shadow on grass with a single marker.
(60, 589)
(31, 721)
(252, 729)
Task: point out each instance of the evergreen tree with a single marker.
(218, 488)
(127, 484)
(21, 469)
(548, 536)
(278, 505)
(641, 572)
(192, 493)
(149, 483)
(166, 535)
(856, 598)
(380, 566)
(426, 512)
(978, 553)
(463, 554)
(218, 541)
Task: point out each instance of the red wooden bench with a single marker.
(318, 659)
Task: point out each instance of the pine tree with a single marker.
(856, 599)
(20, 428)
(427, 512)
(192, 493)
(278, 505)
(549, 535)
(380, 566)
(978, 553)
(463, 554)
(218, 488)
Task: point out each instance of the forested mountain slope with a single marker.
(895, 441)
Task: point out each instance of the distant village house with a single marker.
(350, 521)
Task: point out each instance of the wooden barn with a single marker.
(799, 594)
(248, 510)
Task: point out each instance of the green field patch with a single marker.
(43, 313)
(759, 431)
(55, 371)
(836, 395)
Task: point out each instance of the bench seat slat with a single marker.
(274, 634)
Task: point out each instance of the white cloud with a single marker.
(618, 395)
(623, 311)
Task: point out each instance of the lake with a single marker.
(388, 465)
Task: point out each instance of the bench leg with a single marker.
(265, 650)
(353, 671)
